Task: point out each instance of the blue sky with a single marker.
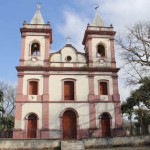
(67, 17)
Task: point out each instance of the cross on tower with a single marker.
(38, 6)
(68, 39)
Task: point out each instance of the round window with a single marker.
(68, 58)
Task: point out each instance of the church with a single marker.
(67, 94)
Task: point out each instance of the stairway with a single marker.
(72, 145)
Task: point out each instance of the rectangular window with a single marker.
(33, 88)
(68, 90)
(103, 88)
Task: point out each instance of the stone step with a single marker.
(72, 145)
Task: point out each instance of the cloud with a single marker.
(122, 13)
(123, 90)
(117, 12)
(74, 26)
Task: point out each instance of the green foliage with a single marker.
(1, 96)
(7, 105)
(1, 102)
(143, 119)
(127, 109)
(142, 94)
(2, 109)
(138, 104)
(7, 122)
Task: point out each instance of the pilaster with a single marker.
(116, 96)
(22, 50)
(113, 62)
(90, 52)
(47, 46)
(45, 107)
(92, 113)
(19, 96)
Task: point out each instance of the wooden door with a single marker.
(32, 126)
(105, 122)
(69, 125)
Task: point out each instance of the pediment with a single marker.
(68, 54)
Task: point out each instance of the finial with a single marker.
(68, 39)
(24, 22)
(38, 6)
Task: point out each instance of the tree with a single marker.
(134, 44)
(7, 105)
(1, 103)
(143, 119)
(138, 104)
(9, 95)
(127, 109)
(142, 94)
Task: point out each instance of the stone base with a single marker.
(44, 134)
(95, 143)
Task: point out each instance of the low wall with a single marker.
(28, 144)
(49, 144)
(116, 141)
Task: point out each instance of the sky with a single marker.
(67, 17)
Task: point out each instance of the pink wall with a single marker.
(22, 50)
(18, 114)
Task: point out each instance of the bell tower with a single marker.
(33, 86)
(36, 40)
(99, 44)
(99, 48)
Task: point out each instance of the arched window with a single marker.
(101, 50)
(35, 49)
(68, 90)
(33, 88)
(103, 87)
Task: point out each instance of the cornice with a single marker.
(82, 69)
(36, 30)
(91, 32)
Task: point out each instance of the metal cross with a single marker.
(68, 39)
(38, 6)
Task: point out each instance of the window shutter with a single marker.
(103, 88)
(33, 88)
(69, 90)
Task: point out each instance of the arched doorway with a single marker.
(105, 124)
(69, 125)
(32, 126)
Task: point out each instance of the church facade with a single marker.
(67, 94)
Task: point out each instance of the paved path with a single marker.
(125, 148)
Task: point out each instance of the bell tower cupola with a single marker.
(99, 44)
(36, 40)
